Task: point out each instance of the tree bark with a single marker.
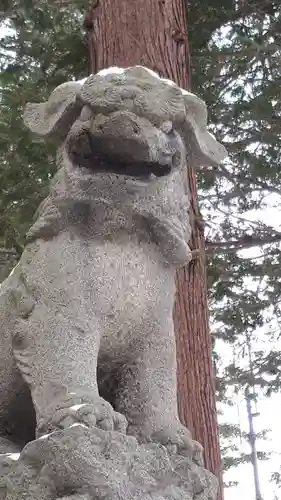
(153, 33)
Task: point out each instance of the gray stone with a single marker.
(86, 316)
(88, 464)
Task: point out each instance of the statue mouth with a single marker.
(97, 157)
(103, 163)
(121, 143)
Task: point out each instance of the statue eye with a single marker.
(167, 127)
(86, 114)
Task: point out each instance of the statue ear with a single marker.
(55, 117)
(202, 146)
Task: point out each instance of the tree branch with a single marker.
(245, 242)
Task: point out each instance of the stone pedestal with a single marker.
(91, 464)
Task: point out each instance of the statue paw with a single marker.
(177, 438)
(88, 410)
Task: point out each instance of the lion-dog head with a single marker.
(126, 138)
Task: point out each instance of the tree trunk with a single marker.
(153, 33)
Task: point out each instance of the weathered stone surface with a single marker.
(91, 464)
(86, 316)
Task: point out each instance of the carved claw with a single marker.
(91, 411)
(177, 439)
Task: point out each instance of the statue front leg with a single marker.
(147, 392)
(56, 353)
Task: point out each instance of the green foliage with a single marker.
(237, 72)
(41, 48)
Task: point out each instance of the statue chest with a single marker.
(117, 279)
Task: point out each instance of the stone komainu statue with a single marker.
(86, 326)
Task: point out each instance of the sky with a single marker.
(268, 419)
